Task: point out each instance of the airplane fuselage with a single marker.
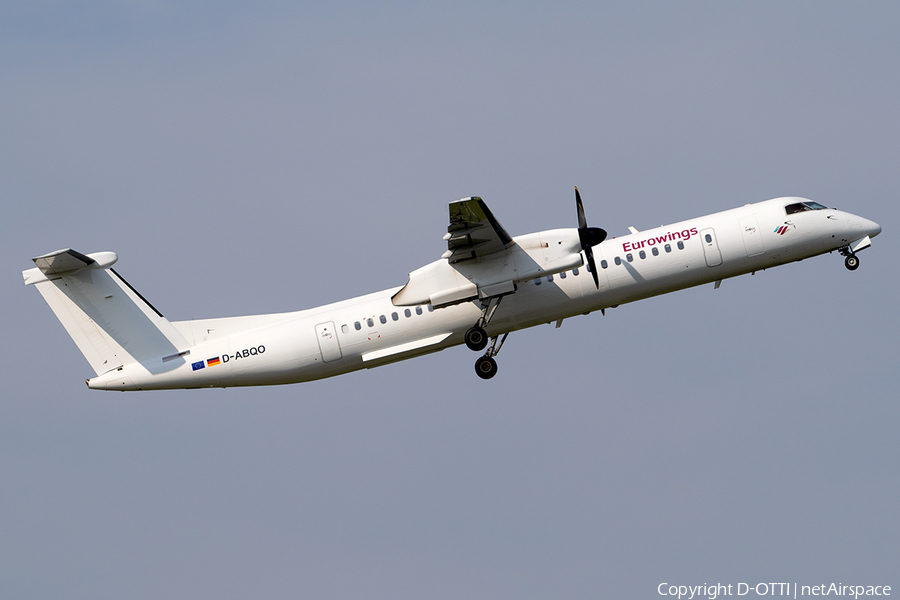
(372, 330)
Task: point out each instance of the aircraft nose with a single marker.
(871, 227)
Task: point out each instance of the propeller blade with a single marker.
(582, 222)
(589, 254)
(589, 237)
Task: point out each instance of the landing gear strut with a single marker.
(476, 337)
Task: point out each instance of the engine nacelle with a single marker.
(531, 256)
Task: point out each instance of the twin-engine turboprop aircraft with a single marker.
(485, 285)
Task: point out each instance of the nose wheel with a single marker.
(851, 261)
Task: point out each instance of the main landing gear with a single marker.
(477, 340)
(486, 366)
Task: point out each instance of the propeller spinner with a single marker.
(589, 236)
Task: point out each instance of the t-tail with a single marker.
(116, 329)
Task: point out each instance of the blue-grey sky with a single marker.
(259, 157)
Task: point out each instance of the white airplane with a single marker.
(484, 286)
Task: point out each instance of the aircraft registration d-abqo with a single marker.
(484, 286)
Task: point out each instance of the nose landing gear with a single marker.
(851, 261)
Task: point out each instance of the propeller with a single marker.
(589, 237)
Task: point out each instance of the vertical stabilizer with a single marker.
(112, 324)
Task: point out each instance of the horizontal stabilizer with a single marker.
(67, 262)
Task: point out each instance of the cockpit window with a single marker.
(803, 207)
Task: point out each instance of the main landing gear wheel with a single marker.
(486, 367)
(851, 262)
(476, 339)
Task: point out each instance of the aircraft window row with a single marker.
(370, 321)
(799, 207)
(562, 275)
(642, 254)
(603, 265)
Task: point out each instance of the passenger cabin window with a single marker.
(383, 319)
(395, 316)
(418, 310)
(617, 260)
(604, 264)
(357, 326)
(668, 247)
(575, 272)
(680, 245)
(537, 281)
(562, 275)
(642, 254)
(406, 313)
(345, 329)
(370, 322)
(629, 257)
(655, 251)
(799, 207)
(708, 238)
(430, 308)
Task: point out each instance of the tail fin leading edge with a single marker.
(110, 322)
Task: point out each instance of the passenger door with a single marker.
(329, 346)
(752, 236)
(710, 247)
